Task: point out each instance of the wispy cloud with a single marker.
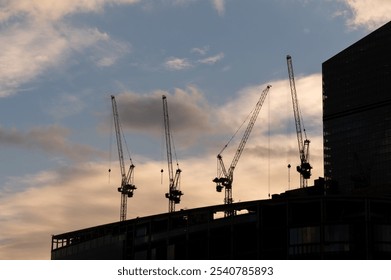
(219, 5)
(109, 52)
(65, 105)
(54, 10)
(370, 14)
(51, 140)
(200, 51)
(175, 63)
(212, 59)
(35, 38)
(27, 51)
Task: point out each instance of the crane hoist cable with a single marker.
(224, 177)
(237, 131)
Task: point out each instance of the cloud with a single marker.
(65, 105)
(29, 51)
(219, 5)
(275, 123)
(212, 59)
(194, 120)
(36, 36)
(369, 14)
(272, 144)
(83, 195)
(22, 57)
(53, 201)
(35, 39)
(203, 128)
(51, 140)
(200, 51)
(54, 10)
(106, 52)
(188, 112)
(175, 63)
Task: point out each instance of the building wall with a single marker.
(108, 247)
(356, 115)
(313, 227)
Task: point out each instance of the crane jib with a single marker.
(304, 168)
(174, 194)
(224, 178)
(127, 187)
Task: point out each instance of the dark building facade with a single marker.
(294, 225)
(357, 115)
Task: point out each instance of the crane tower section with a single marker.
(304, 168)
(174, 194)
(224, 177)
(127, 186)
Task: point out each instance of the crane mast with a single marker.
(304, 168)
(224, 178)
(174, 194)
(127, 187)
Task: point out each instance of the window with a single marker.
(382, 238)
(304, 240)
(336, 238)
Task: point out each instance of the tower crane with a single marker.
(304, 168)
(174, 194)
(127, 187)
(224, 178)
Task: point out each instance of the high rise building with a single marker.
(357, 115)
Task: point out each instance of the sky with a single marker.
(62, 60)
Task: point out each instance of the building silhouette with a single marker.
(356, 115)
(346, 215)
(291, 226)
